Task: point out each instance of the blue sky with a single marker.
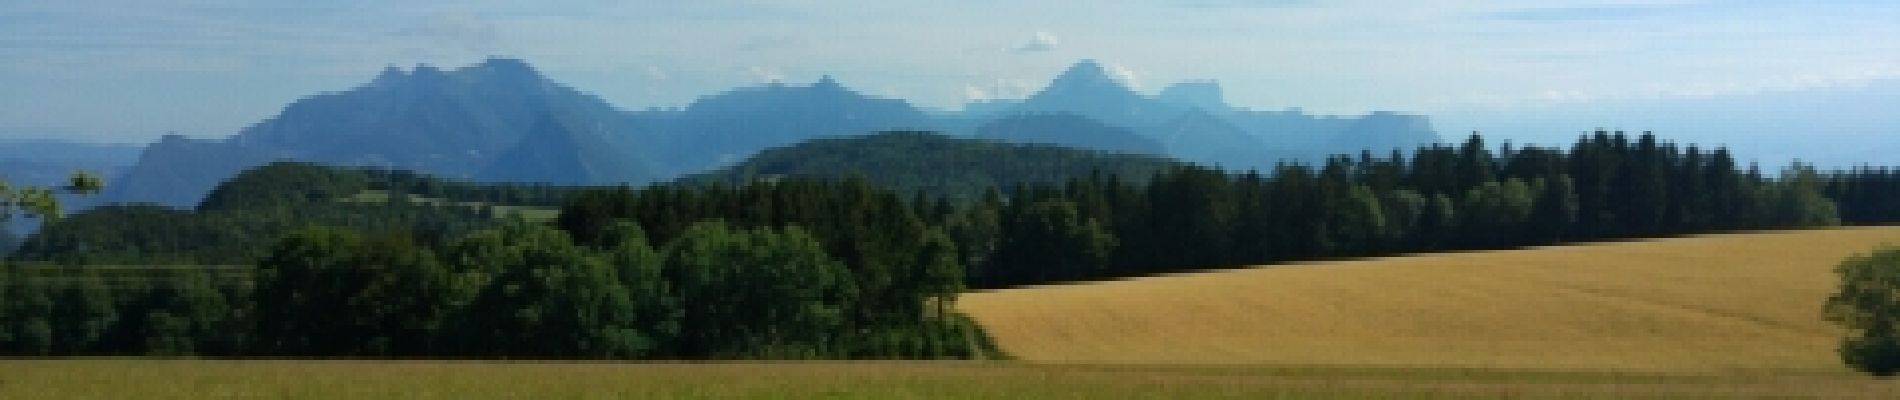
(132, 70)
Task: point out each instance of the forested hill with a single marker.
(240, 217)
(937, 165)
(243, 216)
(296, 260)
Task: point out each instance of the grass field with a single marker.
(1733, 302)
(160, 379)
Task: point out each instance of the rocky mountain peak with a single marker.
(1086, 75)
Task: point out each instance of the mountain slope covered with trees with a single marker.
(934, 164)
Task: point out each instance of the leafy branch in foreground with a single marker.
(41, 202)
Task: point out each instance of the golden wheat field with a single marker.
(1707, 303)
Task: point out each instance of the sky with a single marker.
(1532, 71)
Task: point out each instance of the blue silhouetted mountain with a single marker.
(1184, 131)
(1204, 138)
(177, 171)
(1068, 130)
(1315, 136)
(454, 123)
(1205, 95)
(1384, 130)
(1193, 121)
(555, 152)
(724, 128)
(501, 120)
(1087, 89)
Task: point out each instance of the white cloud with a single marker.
(1124, 74)
(759, 74)
(974, 93)
(1042, 42)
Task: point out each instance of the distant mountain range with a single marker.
(1193, 121)
(502, 121)
(723, 128)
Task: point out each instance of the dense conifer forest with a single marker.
(1465, 197)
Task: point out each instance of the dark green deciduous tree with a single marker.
(188, 315)
(325, 291)
(1868, 305)
(758, 293)
(550, 298)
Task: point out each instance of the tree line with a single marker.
(240, 219)
(931, 163)
(839, 268)
(714, 281)
(1608, 185)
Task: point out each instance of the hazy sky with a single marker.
(131, 70)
